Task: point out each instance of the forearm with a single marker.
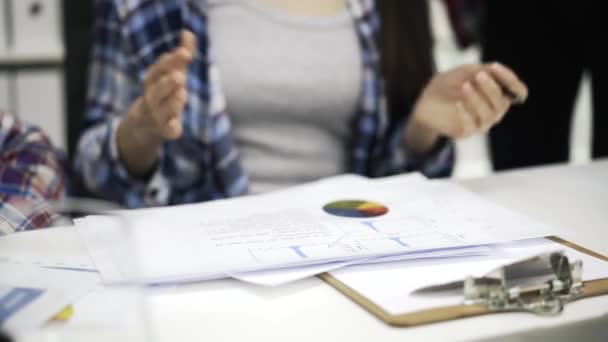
(137, 147)
(418, 137)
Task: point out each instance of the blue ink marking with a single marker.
(298, 251)
(398, 240)
(16, 299)
(71, 269)
(371, 226)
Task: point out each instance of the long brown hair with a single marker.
(406, 49)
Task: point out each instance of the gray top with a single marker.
(292, 86)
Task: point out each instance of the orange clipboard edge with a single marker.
(590, 289)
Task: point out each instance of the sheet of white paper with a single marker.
(439, 253)
(58, 247)
(391, 285)
(31, 295)
(283, 276)
(117, 314)
(291, 228)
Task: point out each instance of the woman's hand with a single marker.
(463, 101)
(165, 93)
(156, 115)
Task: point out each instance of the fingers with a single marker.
(467, 126)
(475, 103)
(507, 79)
(159, 91)
(167, 113)
(165, 88)
(173, 129)
(491, 91)
(493, 95)
(178, 59)
(188, 41)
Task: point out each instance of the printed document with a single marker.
(340, 219)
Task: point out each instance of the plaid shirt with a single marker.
(30, 174)
(204, 164)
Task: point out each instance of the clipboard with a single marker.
(586, 289)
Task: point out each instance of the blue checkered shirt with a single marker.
(204, 163)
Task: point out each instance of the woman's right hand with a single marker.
(156, 115)
(469, 99)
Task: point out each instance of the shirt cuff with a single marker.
(438, 162)
(20, 213)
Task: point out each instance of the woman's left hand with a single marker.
(468, 99)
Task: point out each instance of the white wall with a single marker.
(31, 69)
(4, 94)
(39, 101)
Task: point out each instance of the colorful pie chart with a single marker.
(355, 208)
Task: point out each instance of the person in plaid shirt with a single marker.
(158, 130)
(31, 176)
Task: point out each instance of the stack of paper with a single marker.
(319, 226)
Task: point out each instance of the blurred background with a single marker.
(44, 46)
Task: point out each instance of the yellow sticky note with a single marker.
(64, 314)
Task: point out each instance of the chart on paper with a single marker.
(296, 236)
(316, 224)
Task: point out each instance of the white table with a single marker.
(574, 198)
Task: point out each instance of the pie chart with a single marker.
(355, 208)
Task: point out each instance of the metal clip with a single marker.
(540, 285)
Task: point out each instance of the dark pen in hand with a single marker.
(511, 96)
(4, 337)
